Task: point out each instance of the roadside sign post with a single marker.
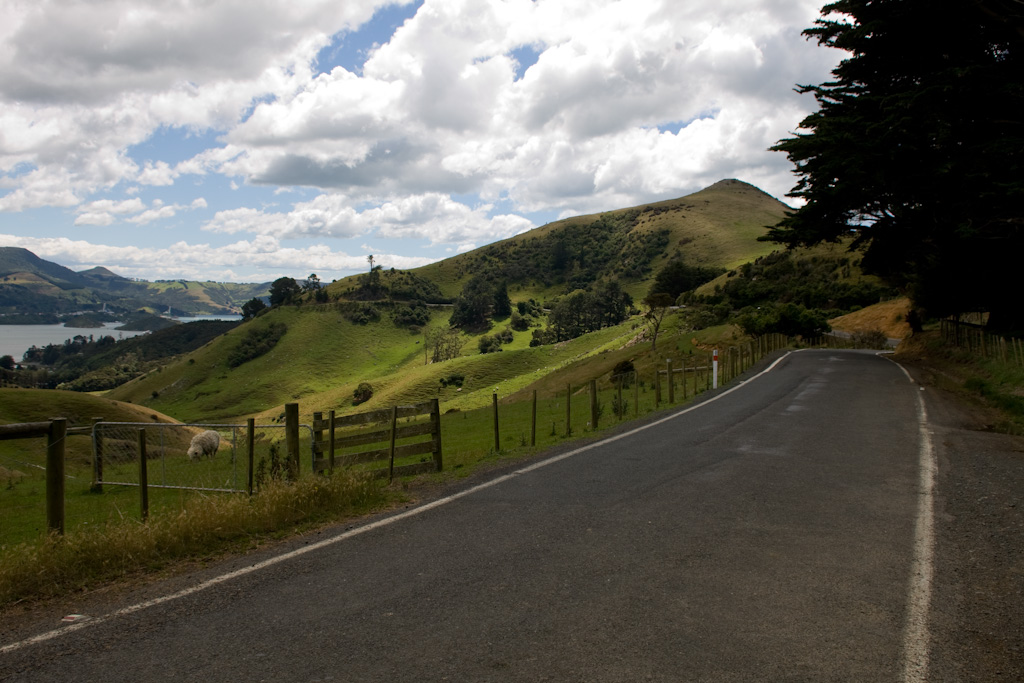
(714, 370)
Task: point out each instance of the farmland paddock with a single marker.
(394, 442)
(116, 455)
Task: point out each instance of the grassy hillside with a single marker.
(888, 317)
(38, 405)
(717, 226)
(322, 356)
(322, 353)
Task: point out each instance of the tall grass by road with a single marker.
(203, 526)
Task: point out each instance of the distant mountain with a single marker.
(17, 261)
(31, 286)
(100, 273)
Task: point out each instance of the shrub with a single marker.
(519, 322)
(454, 379)
(361, 314)
(542, 337)
(409, 315)
(255, 343)
(623, 370)
(362, 394)
(489, 344)
(870, 339)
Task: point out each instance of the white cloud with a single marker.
(80, 83)
(159, 173)
(432, 217)
(439, 110)
(626, 103)
(105, 212)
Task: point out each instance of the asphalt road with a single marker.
(768, 535)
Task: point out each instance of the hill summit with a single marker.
(717, 226)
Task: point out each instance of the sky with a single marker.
(246, 140)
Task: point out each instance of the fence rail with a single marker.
(385, 430)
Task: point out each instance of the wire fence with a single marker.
(975, 339)
(229, 466)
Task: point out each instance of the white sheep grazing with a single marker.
(205, 443)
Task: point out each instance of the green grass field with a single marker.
(467, 439)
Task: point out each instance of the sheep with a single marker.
(205, 443)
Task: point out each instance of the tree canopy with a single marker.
(480, 300)
(917, 150)
(284, 290)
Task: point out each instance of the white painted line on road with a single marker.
(209, 583)
(919, 591)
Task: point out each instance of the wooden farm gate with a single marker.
(387, 435)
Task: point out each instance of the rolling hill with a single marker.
(31, 286)
(322, 355)
(317, 352)
(717, 226)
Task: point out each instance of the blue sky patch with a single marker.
(525, 56)
(350, 50)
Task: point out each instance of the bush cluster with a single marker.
(413, 314)
(362, 393)
(256, 342)
(493, 343)
(362, 314)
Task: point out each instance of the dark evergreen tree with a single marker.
(251, 307)
(473, 306)
(917, 150)
(502, 303)
(283, 291)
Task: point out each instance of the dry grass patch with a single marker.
(889, 317)
(204, 525)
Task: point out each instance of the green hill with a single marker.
(717, 226)
(38, 405)
(322, 355)
(318, 353)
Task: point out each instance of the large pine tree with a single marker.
(917, 149)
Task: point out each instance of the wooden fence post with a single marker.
(671, 381)
(250, 428)
(593, 404)
(97, 457)
(394, 433)
(143, 476)
(291, 437)
(636, 393)
(55, 474)
(318, 434)
(435, 418)
(497, 434)
(682, 364)
(568, 410)
(618, 396)
(533, 421)
(331, 444)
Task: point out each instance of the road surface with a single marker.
(782, 530)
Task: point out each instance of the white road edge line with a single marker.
(96, 621)
(916, 636)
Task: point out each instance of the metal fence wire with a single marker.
(169, 465)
